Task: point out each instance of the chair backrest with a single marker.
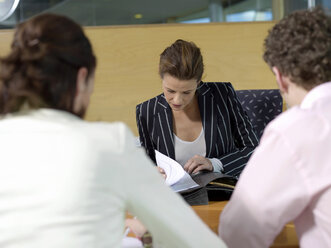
(261, 106)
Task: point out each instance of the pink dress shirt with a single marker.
(288, 178)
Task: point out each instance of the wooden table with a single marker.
(210, 215)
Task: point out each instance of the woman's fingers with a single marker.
(198, 163)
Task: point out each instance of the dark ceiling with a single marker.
(115, 12)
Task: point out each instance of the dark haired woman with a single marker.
(65, 182)
(200, 125)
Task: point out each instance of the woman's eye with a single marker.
(186, 93)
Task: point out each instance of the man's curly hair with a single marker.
(300, 47)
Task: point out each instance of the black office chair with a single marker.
(261, 106)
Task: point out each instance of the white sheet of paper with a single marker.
(172, 168)
(186, 182)
(177, 178)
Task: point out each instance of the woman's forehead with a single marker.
(178, 84)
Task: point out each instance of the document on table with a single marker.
(178, 179)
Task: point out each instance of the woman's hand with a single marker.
(162, 172)
(198, 163)
(136, 227)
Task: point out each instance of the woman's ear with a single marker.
(81, 89)
(81, 81)
(281, 80)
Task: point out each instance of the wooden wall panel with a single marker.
(128, 56)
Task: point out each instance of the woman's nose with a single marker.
(177, 99)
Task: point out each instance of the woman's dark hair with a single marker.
(182, 60)
(41, 69)
(300, 47)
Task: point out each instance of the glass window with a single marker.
(128, 12)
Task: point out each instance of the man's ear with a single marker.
(281, 80)
(81, 84)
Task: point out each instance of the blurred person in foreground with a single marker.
(65, 182)
(288, 176)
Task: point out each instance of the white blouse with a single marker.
(65, 182)
(185, 150)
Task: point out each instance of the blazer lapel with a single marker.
(208, 117)
(164, 128)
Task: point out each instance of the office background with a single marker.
(229, 33)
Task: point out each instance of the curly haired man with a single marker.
(288, 176)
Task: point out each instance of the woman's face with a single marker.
(178, 93)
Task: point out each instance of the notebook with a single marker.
(199, 188)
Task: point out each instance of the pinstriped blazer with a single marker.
(228, 131)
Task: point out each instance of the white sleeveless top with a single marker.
(185, 150)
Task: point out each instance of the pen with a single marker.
(127, 230)
(222, 185)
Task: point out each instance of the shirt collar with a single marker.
(45, 114)
(318, 92)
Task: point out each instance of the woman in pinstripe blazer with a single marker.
(201, 125)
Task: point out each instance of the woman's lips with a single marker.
(176, 106)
